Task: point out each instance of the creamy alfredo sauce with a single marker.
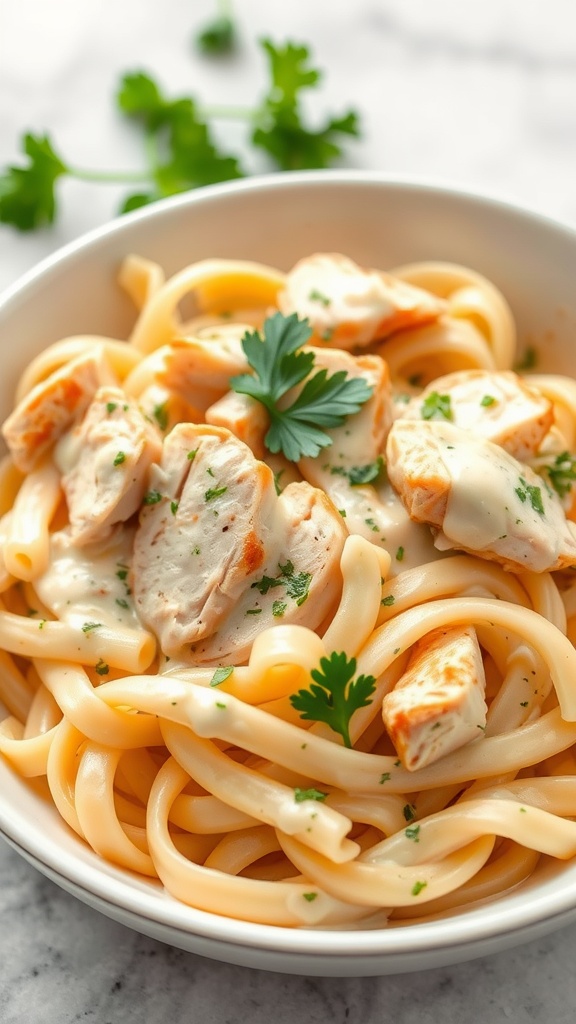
(89, 584)
(497, 504)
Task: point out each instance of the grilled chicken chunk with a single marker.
(105, 460)
(165, 408)
(438, 704)
(351, 471)
(198, 369)
(219, 556)
(348, 306)
(479, 498)
(51, 407)
(496, 405)
(244, 417)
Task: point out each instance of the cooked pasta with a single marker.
(288, 603)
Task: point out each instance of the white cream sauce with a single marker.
(90, 584)
(376, 513)
(498, 504)
(330, 290)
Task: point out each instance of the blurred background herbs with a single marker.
(180, 148)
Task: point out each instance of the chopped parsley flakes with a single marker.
(152, 498)
(317, 296)
(214, 492)
(359, 475)
(561, 473)
(308, 794)
(436, 407)
(221, 674)
(526, 491)
(296, 584)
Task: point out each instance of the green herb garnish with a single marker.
(562, 473)
(221, 674)
(218, 36)
(214, 492)
(436, 407)
(278, 366)
(532, 493)
(152, 498)
(296, 584)
(308, 794)
(359, 475)
(181, 150)
(334, 695)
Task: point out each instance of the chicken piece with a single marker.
(166, 408)
(355, 451)
(351, 470)
(438, 704)
(106, 458)
(479, 498)
(219, 556)
(361, 438)
(244, 417)
(198, 369)
(349, 306)
(496, 405)
(51, 407)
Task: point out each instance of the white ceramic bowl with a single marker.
(276, 220)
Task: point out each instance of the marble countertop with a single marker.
(482, 95)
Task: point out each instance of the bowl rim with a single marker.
(277, 181)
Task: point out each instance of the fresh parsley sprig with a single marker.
(27, 196)
(278, 367)
(335, 695)
(180, 149)
(280, 127)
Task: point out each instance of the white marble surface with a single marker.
(483, 95)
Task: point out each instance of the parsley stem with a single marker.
(109, 177)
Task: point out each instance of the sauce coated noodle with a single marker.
(198, 769)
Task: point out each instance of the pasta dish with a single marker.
(287, 591)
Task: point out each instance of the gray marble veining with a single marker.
(63, 962)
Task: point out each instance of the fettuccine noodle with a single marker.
(153, 693)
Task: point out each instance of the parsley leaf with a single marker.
(527, 361)
(533, 493)
(280, 129)
(436, 406)
(309, 794)
(180, 150)
(296, 584)
(278, 366)
(27, 197)
(218, 36)
(184, 155)
(359, 475)
(334, 695)
(561, 473)
(221, 674)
